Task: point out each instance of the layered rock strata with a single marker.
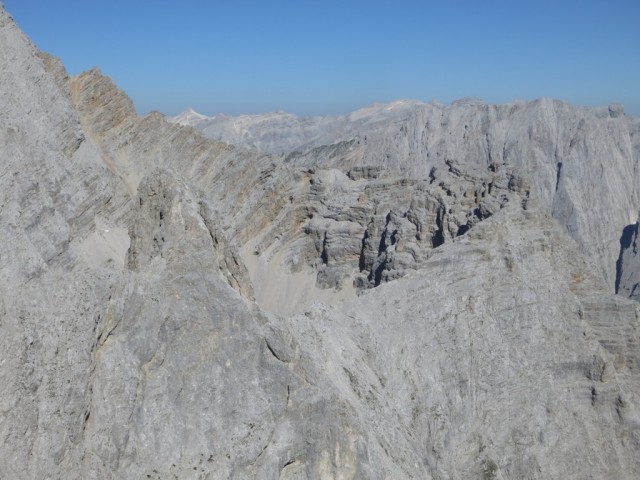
(140, 271)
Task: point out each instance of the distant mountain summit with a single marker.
(190, 117)
(281, 132)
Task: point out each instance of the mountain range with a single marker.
(411, 291)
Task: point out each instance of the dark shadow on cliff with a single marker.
(628, 234)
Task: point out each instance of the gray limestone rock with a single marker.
(569, 154)
(616, 110)
(498, 355)
(628, 264)
(430, 298)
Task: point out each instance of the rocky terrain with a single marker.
(580, 163)
(411, 291)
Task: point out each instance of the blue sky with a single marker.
(331, 57)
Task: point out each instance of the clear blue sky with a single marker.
(328, 57)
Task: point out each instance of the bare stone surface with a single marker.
(628, 264)
(570, 154)
(431, 301)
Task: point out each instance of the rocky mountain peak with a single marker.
(410, 291)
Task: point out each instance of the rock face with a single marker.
(570, 155)
(628, 264)
(430, 298)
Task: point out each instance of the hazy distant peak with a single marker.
(189, 117)
(280, 132)
(261, 117)
(468, 101)
(383, 109)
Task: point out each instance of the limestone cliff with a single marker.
(582, 163)
(176, 307)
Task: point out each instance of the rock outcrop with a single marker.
(176, 307)
(569, 154)
(628, 264)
